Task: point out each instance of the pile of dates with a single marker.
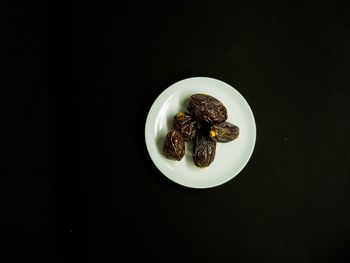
(204, 124)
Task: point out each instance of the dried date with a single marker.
(174, 145)
(224, 132)
(203, 150)
(207, 108)
(186, 125)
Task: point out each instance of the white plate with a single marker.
(230, 157)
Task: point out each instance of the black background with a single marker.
(80, 80)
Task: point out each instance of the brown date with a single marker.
(186, 125)
(174, 145)
(203, 150)
(207, 108)
(224, 132)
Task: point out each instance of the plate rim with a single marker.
(168, 90)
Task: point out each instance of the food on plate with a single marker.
(174, 145)
(186, 125)
(203, 150)
(223, 132)
(204, 125)
(207, 108)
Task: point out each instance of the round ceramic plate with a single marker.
(230, 157)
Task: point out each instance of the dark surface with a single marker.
(80, 185)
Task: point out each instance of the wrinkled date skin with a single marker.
(207, 108)
(174, 145)
(224, 132)
(204, 150)
(186, 125)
